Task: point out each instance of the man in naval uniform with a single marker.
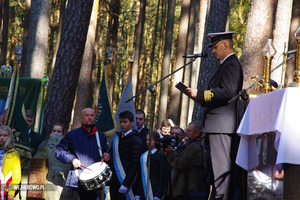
(220, 118)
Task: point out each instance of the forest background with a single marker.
(75, 42)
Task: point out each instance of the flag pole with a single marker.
(45, 81)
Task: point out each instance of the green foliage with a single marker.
(238, 22)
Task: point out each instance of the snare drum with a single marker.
(93, 180)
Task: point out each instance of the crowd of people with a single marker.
(10, 160)
(169, 163)
(160, 172)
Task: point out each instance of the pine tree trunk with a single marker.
(164, 91)
(58, 34)
(12, 40)
(84, 96)
(4, 32)
(185, 101)
(138, 46)
(258, 30)
(114, 42)
(99, 36)
(151, 57)
(201, 20)
(62, 89)
(174, 106)
(25, 37)
(1, 16)
(281, 35)
(37, 39)
(292, 42)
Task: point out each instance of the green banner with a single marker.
(14, 117)
(30, 89)
(104, 119)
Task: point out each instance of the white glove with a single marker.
(156, 198)
(137, 197)
(123, 189)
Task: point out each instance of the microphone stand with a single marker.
(151, 87)
(152, 91)
(243, 92)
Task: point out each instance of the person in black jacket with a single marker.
(220, 118)
(142, 129)
(35, 138)
(159, 171)
(124, 158)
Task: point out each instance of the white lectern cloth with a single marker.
(276, 111)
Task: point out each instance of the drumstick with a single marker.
(86, 168)
(103, 157)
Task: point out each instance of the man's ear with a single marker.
(226, 44)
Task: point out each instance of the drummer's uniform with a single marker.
(83, 146)
(220, 118)
(126, 150)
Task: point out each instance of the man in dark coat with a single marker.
(142, 129)
(35, 138)
(189, 165)
(220, 119)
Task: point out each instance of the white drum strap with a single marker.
(98, 143)
(76, 173)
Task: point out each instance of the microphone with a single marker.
(292, 51)
(195, 55)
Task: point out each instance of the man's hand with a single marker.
(168, 149)
(106, 156)
(277, 175)
(123, 189)
(76, 163)
(192, 92)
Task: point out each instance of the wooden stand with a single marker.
(37, 178)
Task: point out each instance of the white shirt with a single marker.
(153, 150)
(127, 132)
(141, 128)
(226, 57)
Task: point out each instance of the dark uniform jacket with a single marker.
(143, 134)
(130, 150)
(35, 140)
(221, 116)
(159, 173)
